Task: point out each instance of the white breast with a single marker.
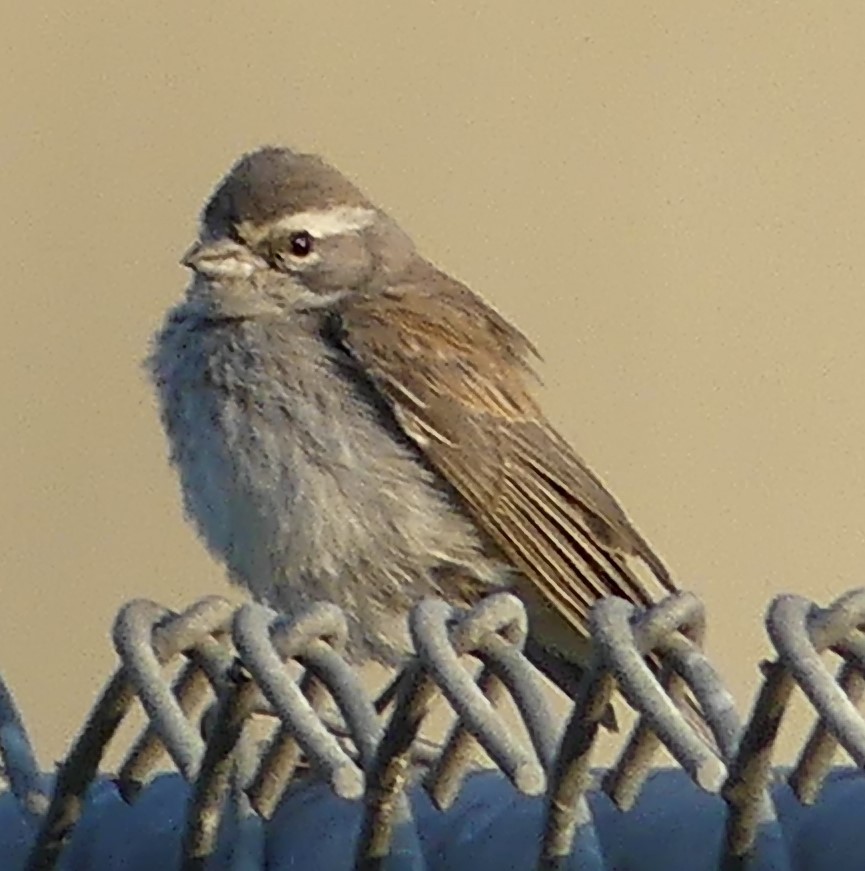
(295, 479)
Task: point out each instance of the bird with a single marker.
(351, 424)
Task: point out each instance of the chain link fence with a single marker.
(338, 784)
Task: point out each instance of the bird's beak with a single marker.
(221, 258)
(189, 258)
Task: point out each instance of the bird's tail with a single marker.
(567, 675)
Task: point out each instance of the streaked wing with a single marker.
(456, 376)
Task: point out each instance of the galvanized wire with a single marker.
(203, 674)
(799, 630)
(442, 641)
(623, 640)
(28, 784)
(178, 633)
(255, 662)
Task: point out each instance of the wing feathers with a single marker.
(455, 376)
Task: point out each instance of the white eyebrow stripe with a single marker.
(321, 223)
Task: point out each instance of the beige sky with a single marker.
(668, 197)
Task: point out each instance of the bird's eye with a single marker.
(300, 244)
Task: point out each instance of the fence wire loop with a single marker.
(625, 641)
(77, 771)
(439, 647)
(800, 631)
(240, 664)
(134, 640)
(264, 641)
(813, 764)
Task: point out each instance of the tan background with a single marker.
(667, 196)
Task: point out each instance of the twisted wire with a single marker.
(256, 662)
(178, 633)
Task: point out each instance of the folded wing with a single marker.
(456, 376)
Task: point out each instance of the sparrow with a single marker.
(351, 424)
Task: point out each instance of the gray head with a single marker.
(288, 225)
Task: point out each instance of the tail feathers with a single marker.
(567, 675)
(693, 714)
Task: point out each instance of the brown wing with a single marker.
(456, 376)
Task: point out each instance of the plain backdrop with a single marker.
(667, 196)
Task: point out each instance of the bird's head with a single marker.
(285, 229)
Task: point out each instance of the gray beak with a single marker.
(221, 258)
(189, 258)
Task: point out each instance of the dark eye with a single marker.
(300, 244)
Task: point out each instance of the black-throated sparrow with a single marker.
(351, 424)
